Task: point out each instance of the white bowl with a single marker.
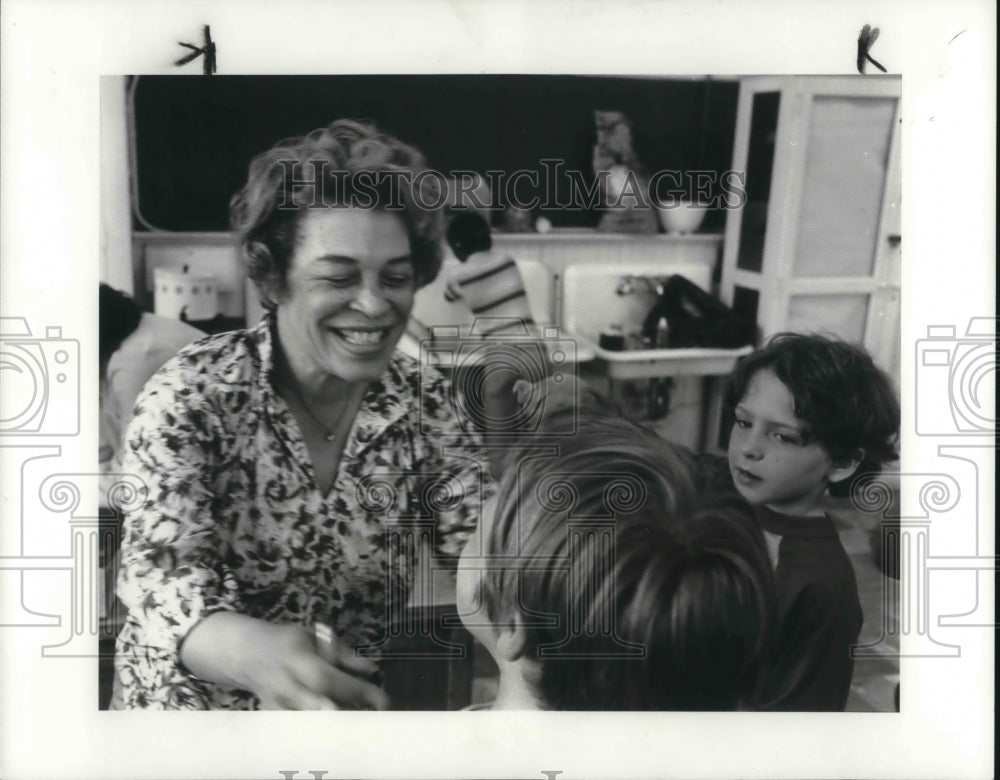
(681, 216)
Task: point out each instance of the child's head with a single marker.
(119, 316)
(810, 412)
(468, 232)
(610, 581)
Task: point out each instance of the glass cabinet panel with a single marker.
(760, 166)
(842, 315)
(848, 151)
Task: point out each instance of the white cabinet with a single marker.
(816, 245)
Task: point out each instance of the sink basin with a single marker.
(651, 363)
(591, 306)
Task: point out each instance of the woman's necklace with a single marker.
(328, 433)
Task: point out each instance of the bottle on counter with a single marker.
(662, 337)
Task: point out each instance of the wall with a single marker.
(116, 235)
(195, 137)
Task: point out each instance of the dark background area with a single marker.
(195, 136)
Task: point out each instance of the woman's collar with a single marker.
(386, 400)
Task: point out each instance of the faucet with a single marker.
(629, 285)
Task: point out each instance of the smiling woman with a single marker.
(282, 461)
(347, 296)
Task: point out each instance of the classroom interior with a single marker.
(798, 229)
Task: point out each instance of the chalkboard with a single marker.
(194, 136)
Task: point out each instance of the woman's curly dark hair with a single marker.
(846, 401)
(348, 162)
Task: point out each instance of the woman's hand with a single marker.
(284, 665)
(302, 672)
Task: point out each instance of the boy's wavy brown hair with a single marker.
(846, 402)
(638, 590)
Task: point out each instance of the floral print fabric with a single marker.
(234, 520)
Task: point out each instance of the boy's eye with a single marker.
(786, 439)
(742, 424)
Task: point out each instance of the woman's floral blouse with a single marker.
(234, 519)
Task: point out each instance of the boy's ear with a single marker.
(512, 639)
(843, 469)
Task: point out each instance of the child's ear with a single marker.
(846, 467)
(512, 639)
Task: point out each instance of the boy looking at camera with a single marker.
(810, 413)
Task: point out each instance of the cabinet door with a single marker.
(816, 245)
